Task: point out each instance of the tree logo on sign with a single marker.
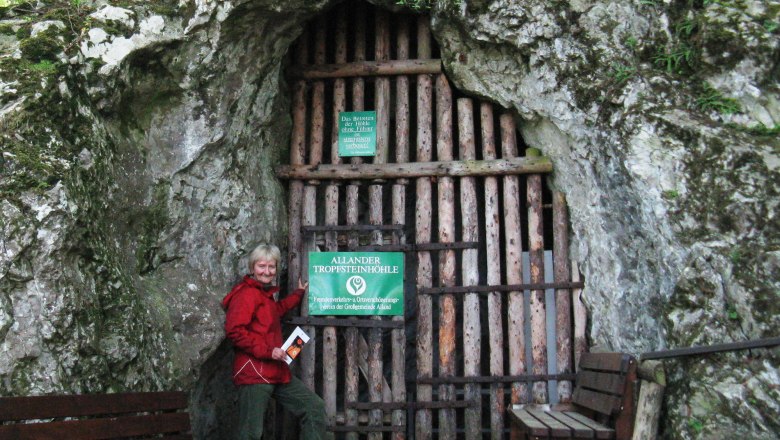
(356, 285)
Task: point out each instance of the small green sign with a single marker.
(357, 134)
(356, 283)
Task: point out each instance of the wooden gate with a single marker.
(451, 189)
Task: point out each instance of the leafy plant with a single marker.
(685, 28)
(622, 73)
(44, 66)
(696, 425)
(670, 194)
(632, 42)
(417, 5)
(771, 26)
(712, 99)
(673, 60)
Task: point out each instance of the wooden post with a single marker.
(329, 335)
(423, 427)
(398, 378)
(352, 381)
(382, 101)
(494, 301)
(513, 249)
(580, 319)
(651, 392)
(472, 329)
(562, 272)
(297, 154)
(536, 257)
(446, 216)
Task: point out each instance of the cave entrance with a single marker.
(491, 314)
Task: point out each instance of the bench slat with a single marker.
(44, 407)
(578, 428)
(601, 431)
(99, 429)
(617, 362)
(557, 428)
(599, 402)
(531, 425)
(602, 382)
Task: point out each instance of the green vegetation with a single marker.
(711, 99)
(696, 425)
(622, 73)
(670, 194)
(417, 5)
(674, 60)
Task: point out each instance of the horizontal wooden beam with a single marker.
(495, 379)
(350, 228)
(391, 406)
(366, 68)
(457, 168)
(419, 247)
(502, 288)
(364, 428)
(715, 348)
(339, 322)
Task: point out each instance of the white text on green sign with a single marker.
(356, 283)
(357, 134)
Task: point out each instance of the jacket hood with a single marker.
(248, 281)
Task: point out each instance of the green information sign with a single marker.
(357, 134)
(356, 283)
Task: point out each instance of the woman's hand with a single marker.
(278, 354)
(302, 285)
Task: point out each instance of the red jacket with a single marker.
(253, 325)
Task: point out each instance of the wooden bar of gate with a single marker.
(562, 272)
(382, 104)
(329, 334)
(353, 338)
(472, 328)
(538, 303)
(446, 217)
(493, 255)
(514, 270)
(398, 378)
(424, 339)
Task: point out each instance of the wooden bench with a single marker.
(602, 403)
(96, 416)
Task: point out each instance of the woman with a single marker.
(259, 369)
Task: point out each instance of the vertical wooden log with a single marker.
(351, 386)
(472, 329)
(562, 273)
(513, 251)
(536, 258)
(648, 408)
(297, 155)
(580, 319)
(446, 216)
(423, 427)
(494, 301)
(375, 215)
(398, 379)
(329, 335)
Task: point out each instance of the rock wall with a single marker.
(139, 140)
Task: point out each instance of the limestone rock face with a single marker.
(139, 140)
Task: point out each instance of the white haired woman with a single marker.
(260, 371)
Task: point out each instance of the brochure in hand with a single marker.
(294, 343)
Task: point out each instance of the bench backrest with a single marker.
(604, 382)
(95, 416)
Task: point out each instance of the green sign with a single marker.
(357, 134)
(356, 283)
